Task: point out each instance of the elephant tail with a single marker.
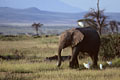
(59, 57)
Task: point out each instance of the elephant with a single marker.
(82, 40)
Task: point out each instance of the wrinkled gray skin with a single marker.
(80, 40)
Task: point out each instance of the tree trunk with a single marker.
(37, 31)
(98, 18)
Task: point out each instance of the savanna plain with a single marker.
(23, 58)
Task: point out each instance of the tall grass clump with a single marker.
(14, 76)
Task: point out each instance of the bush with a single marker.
(110, 46)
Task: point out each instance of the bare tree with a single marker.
(98, 16)
(114, 25)
(37, 26)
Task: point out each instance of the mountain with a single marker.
(34, 14)
(48, 5)
(46, 17)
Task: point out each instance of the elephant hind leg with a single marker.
(94, 57)
(95, 61)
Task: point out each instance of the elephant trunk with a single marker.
(59, 57)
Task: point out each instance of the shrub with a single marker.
(110, 46)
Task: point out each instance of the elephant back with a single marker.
(91, 37)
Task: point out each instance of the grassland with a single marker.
(24, 59)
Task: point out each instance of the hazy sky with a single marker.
(108, 5)
(63, 5)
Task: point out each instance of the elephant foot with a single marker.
(95, 66)
(73, 65)
(58, 64)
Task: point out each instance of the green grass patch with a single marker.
(14, 38)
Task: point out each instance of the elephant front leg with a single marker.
(74, 61)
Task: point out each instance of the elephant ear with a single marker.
(77, 37)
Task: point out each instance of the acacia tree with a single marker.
(37, 26)
(98, 16)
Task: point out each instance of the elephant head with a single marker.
(68, 38)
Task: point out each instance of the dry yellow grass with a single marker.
(33, 66)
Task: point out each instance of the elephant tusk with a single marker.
(58, 64)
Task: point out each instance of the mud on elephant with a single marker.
(80, 40)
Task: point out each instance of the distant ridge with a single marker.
(32, 9)
(34, 14)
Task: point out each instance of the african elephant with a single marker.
(80, 40)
